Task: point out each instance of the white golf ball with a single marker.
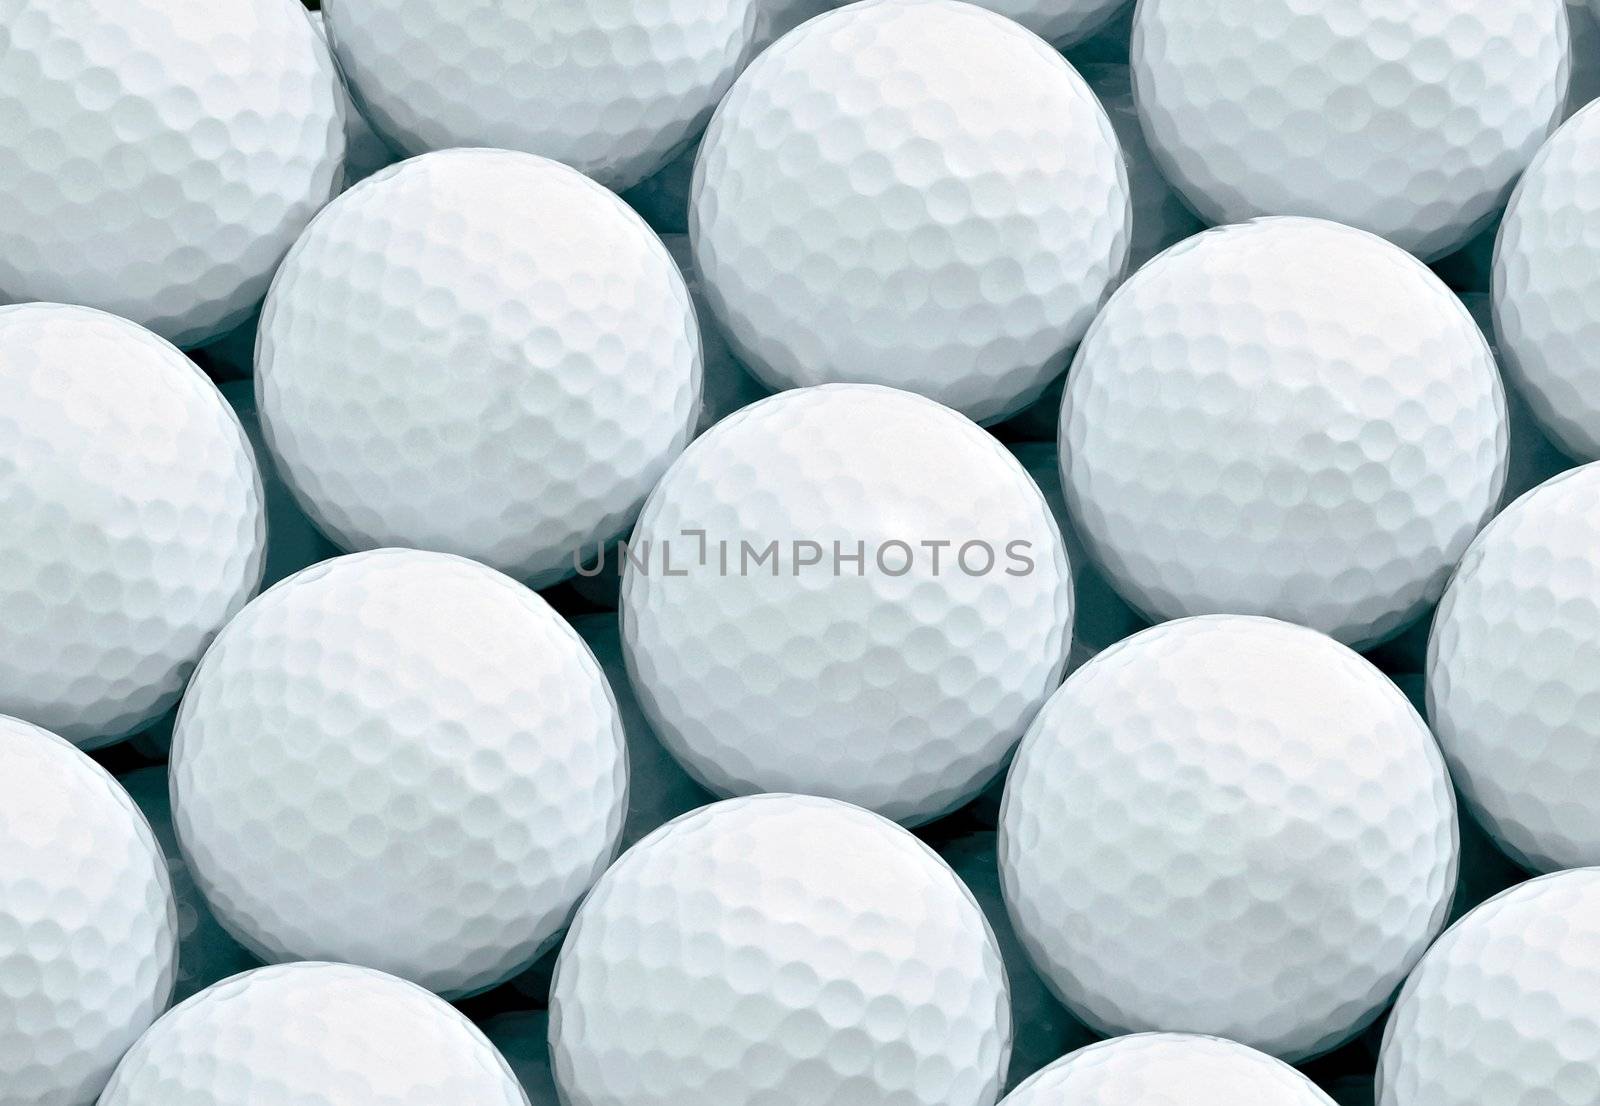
(523, 1038)
(1547, 287)
(779, 950)
(882, 605)
(88, 933)
(365, 152)
(917, 193)
(1287, 417)
(312, 1034)
(159, 156)
(399, 759)
(611, 87)
(1513, 671)
(133, 524)
(1168, 1069)
(1228, 825)
(1504, 1007)
(479, 352)
(1410, 120)
(207, 953)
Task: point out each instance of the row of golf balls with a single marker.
(351, 771)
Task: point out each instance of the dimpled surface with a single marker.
(1547, 286)
(1514, 674)
(132, 525)
(479, 352)
(1168, 1069)
(1160, 217)
(1410, 119)
(902, 691)
(1228, 825)
(313, 1035)
(365, 152)
(88, 935)
(523, 1038)
(610, 87)
(1044, 1031)
(206, 953)
(916, 193)
(780, 950)
(1503, 1008)
(159, 156)
(1286, 417)
(399, 759)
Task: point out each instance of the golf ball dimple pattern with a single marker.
(1285, 417)
(780, 950)
(160, 157)
(1504, 1006)
(900, 691)
(1514, 674)
(610, 87)
(133, 524)
(478, 352)
(399, 759)
(1547, 286)
(312, 1034)
(88, 934)
(1409, 120)
(1228, 825)
(207, 954)
(915, 193)
(1168, 1069)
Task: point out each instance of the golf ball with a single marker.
(88, 933)
(479, 352)
(1168, 1069)
(726, 386)
(611, 87)
(849, 591)
(399, 759)
(158, 157)
(1411, 119)
(1228, 825)
(782, 950)
(917, 193)
(1504, 1006)
(206, 953)
(1513, 668)
(133, 525)
(1547, 287)
(1287, 417)
(312, 1034)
